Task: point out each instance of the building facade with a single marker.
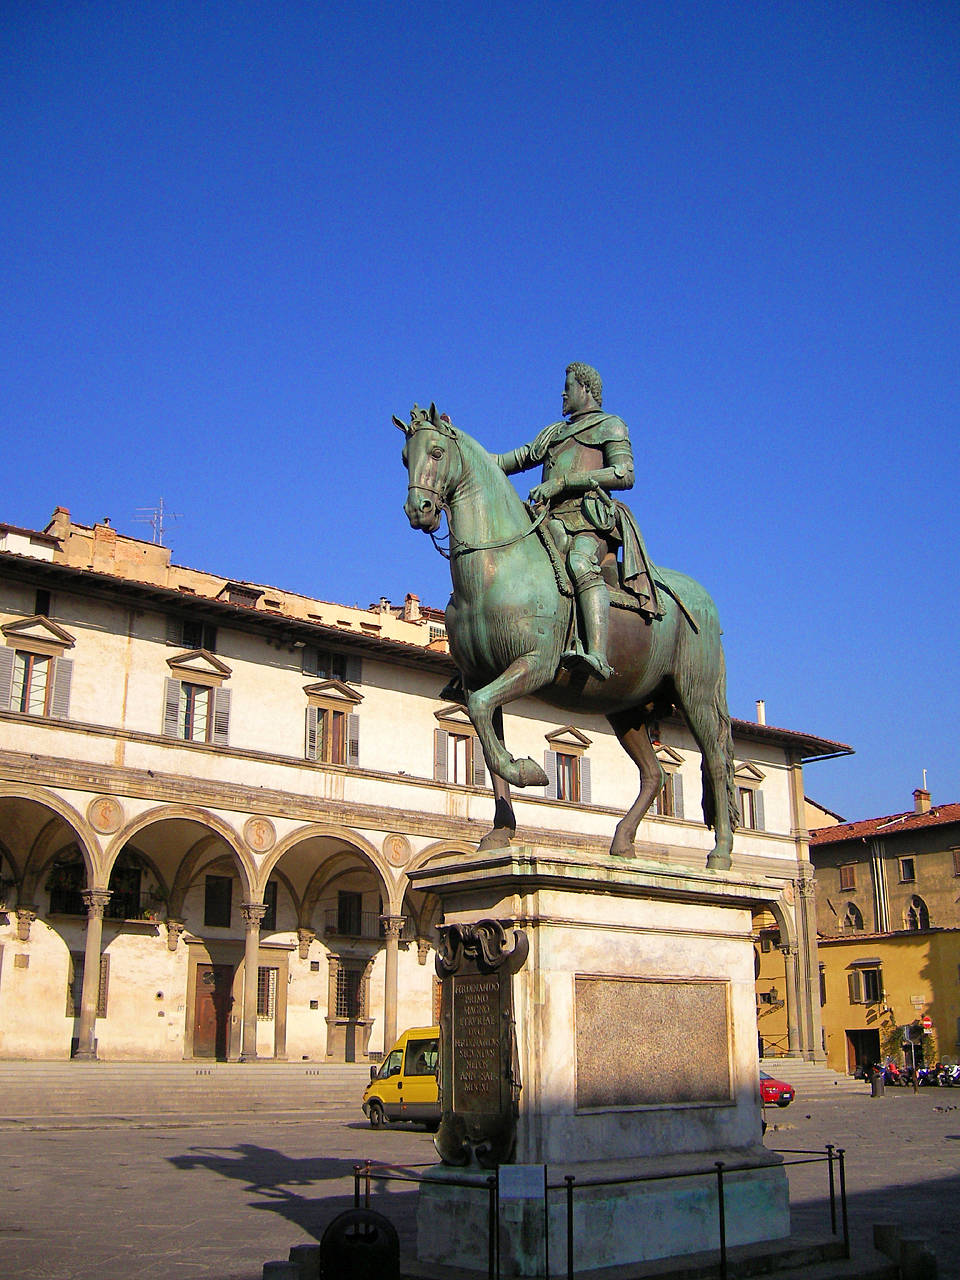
(212, 794)
(888, 919)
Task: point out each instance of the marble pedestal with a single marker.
(637, 1044)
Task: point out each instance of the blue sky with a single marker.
(237, 237)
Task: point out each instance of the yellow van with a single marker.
(405, 1085)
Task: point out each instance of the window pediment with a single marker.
(332, 691)
(748, 775)
(568, 736)
(453, 714)
(37, 634)
(199, 665)
(667, 756)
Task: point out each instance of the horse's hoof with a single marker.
(620, 849)
(498, 838)
(718, 861)
(529, 774)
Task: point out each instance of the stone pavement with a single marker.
(214, 1196)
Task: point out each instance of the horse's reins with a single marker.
(464, 548)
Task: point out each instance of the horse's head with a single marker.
(433, 461)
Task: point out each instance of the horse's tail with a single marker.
(726, 744)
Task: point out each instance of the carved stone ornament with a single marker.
(423, 950)
(25, 918)
(105, 814)
(174, 929)
(397, 850)
(393, 926)
(304, 938)
(252, 913)
(260, 834)
(479, 1069)
(95, 900)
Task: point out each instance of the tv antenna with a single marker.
(155, 517)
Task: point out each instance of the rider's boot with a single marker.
(594, 603)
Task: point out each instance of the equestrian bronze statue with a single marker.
(542, 605)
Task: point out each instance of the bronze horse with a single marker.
(508, 621)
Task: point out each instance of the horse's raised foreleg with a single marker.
(504, 819)
(631, 729)
(527, 674)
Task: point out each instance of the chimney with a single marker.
(761, 711)
(384, 604)
(411, 607)
(921, 800)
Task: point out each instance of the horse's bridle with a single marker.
(458, 548)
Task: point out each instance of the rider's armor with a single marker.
(590, 456)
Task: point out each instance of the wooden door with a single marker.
(211, 1019)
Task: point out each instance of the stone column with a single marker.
(792, 997)
(95, 900)
(809, 976)
(392, 929)
(253, 913)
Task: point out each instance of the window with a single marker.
(668, 802)
(349, 992)
(35, 684)
(269, 921)
(750, 803)
(75, 985)
(848, 875)
(916, 915)
(907, 870)
(568, 776)
(823, 986)
(188, 633)
(41, 603)
(217, 894)
(349, 913)
(331, 666)
(865, 984)
(196, 712)
(769, 939)
(125, 881)
(956, 861)
(66, 882)
(266, 993)
(422, 1057)
(332, 726)
(852, 918)
(458, 757)
(436, 632)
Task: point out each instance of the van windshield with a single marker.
(391, 1066)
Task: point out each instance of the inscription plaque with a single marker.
(477, 1069)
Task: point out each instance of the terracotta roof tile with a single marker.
(891, 824)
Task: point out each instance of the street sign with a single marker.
(926, 1022)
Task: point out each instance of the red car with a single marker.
(773, 1090)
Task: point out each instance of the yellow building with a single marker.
(888, 920)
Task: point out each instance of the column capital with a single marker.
(25, 918)
(174, 929)
(788, 950)
(806, 887)
(393, 927)
(95, 900)
(304, 938)
(253, 913)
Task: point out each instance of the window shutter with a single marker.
(353, 669)
(171, 708)
(677, 796)
(550, 769)
(6, 678)
(221, 716)
(308, 661)
(758, 811)
(353, 740)
(853, 982)
(586, 790)
(440, 737)
(60, 697)
(174, 630)
(477, 761)
(312, 746)
(104, 984)
(74, 983)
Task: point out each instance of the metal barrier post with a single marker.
(366, 1194)
(546, 1227)
(356, 1186)
(491, 1227)
(833, 1195)
(569, 1180)
(843, 1204)
(723, 1221)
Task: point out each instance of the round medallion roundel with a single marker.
(105, 815)
(397, 850)
(260, 834)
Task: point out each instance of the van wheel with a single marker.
(377, 1118)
